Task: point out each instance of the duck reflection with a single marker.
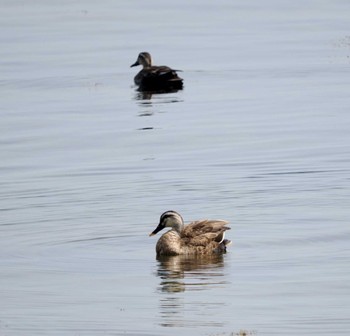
(152, 102)
(180, 273)
(187, 273)
(147, 95)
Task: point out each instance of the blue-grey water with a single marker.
(260, 136)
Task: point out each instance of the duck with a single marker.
(155, 78)
(201, 237)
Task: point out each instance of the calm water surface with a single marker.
(259, 136)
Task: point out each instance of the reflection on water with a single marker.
(151, 102)
(183, 273)
(180, 273)
(147, 95)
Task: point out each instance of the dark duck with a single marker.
(156, 78)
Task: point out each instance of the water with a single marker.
(259, 137)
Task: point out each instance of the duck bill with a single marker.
(157, 229)
(135, 64)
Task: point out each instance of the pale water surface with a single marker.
(259, 136)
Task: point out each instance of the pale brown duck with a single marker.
(199, 237)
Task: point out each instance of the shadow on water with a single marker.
(183, 273)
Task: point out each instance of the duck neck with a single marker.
(178, 227)
(146, 63)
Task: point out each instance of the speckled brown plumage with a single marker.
(199, 237)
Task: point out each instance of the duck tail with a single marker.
(222, 246)
(227, 242)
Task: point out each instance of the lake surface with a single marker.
(260, 136)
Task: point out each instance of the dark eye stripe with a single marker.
(166, 215)
(142, 55)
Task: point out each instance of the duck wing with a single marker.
(203, 231)
(163, 74)
(158, 77)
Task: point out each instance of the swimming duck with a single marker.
(199, 237)
(155, 78)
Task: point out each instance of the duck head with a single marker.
(143, 59)
(170, 219)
